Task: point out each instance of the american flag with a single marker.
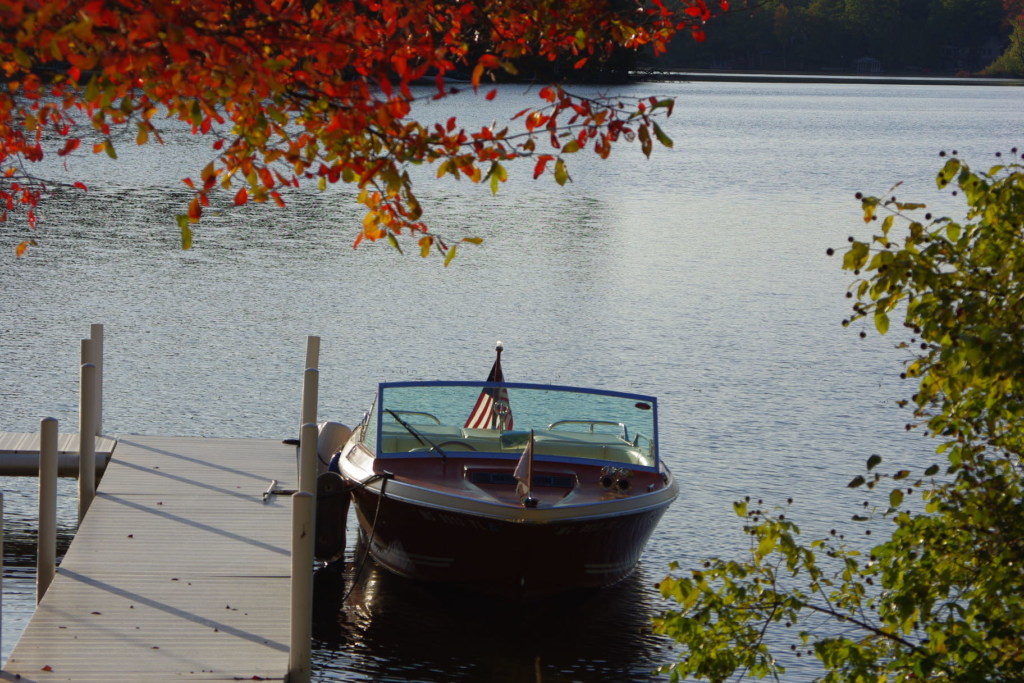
(492, 405)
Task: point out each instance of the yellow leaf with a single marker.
(143, 135)
(450, 256)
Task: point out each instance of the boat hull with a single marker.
(512, 558)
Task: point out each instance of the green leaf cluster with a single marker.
(942, 598)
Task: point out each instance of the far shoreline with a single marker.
(655, 74)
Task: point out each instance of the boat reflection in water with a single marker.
(393, 629)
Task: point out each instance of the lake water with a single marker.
(699, 276)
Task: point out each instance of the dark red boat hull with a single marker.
(512, 559)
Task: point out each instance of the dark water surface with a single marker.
(699, 276)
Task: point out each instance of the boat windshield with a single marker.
(495, 420)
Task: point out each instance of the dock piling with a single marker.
(300, 653)
(86, 439)
(312, 352)
(46, 547)
(307, 458)
(96, 336)
(310, 391)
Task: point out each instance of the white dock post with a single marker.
(312, 352)
(300, 653)
(86, 439)
(310, 391)
(96, 334)
(46, 549)
(307, 458)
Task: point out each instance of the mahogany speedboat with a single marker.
(515, 489)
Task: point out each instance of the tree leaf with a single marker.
(660, 134)
(450, 255)
(896, 498)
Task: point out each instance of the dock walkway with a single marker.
(179, 571)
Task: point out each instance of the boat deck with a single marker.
(179, 571)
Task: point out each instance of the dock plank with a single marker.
(67, 444)
(179, 571)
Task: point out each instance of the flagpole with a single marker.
(529, 501)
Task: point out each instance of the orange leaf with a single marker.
(21, 249)
(188, 181)
(477, 73)
(579, 64)
(242, 197)
(490, 61)
(194, 210)
(277, 199)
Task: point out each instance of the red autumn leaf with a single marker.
(489, 61)
(81, 186)
(542, 161)
(195, 211)
(70, 145)
(47, 668)
(492, 94)
(242, 197)
(188, 181)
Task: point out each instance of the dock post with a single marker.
(46, 548)
(310, 391)
(312, 352)
(300, 653)
(96, 335)
(86, 439)
(307, 458)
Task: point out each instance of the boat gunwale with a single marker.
(633, 503)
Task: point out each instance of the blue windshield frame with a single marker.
(516, 385)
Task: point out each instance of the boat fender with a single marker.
(331, 438)
(332, 502)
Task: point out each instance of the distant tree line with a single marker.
(893, 36)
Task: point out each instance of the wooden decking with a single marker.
(19, 454)
(16, 443)
(179, 571)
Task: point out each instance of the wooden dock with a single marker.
(19, 454)
(180, 570)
